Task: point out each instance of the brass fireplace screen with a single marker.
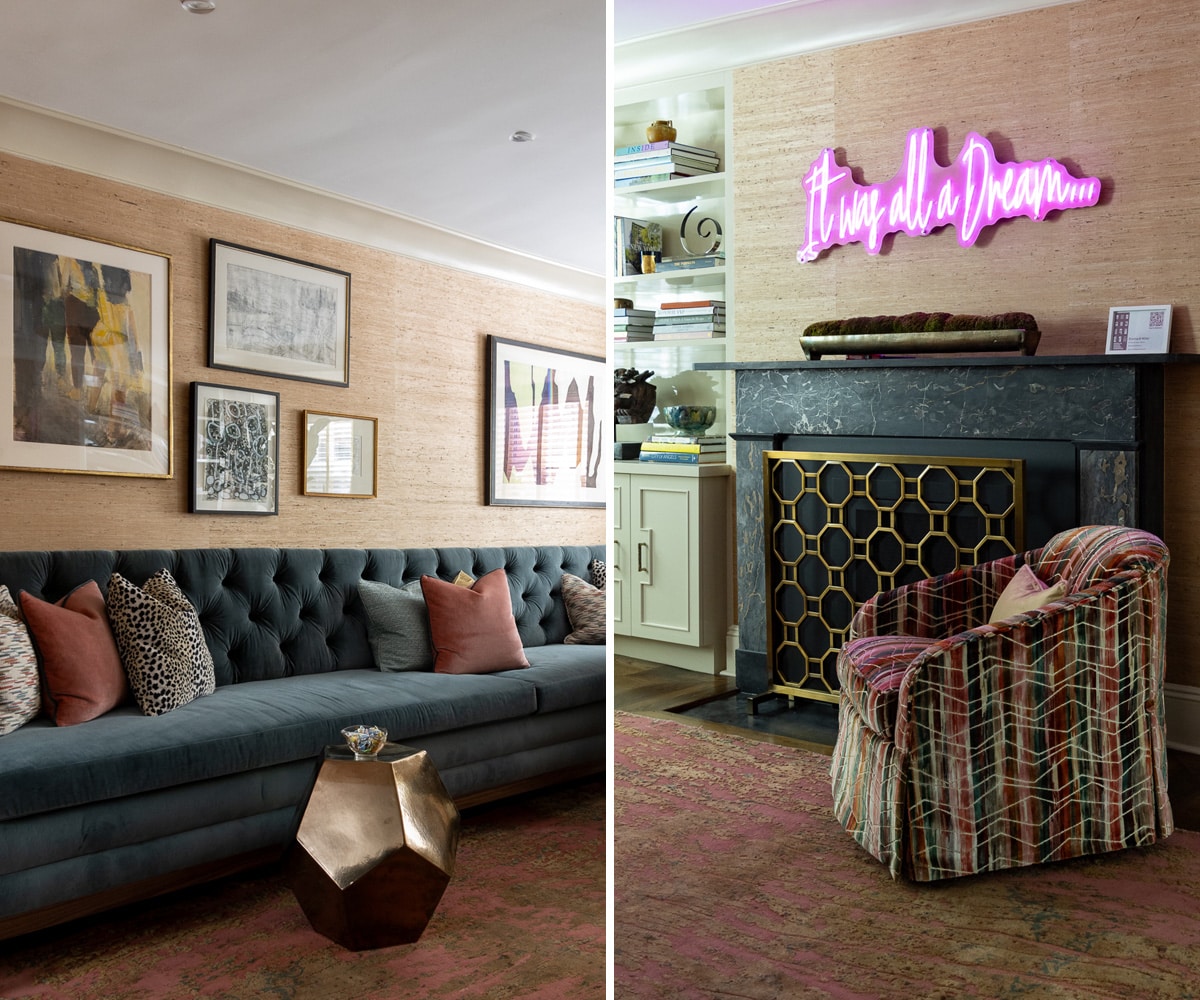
(843, 527)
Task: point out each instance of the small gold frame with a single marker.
(341, 455)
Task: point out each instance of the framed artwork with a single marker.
(234, 453)
(85, 355)
(340, 455)
(272, 315)
(1138, 330)
(545, 439)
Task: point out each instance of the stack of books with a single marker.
(683, 449)
(633, 325)
(691, 263)
(688, 320)
(652, 162)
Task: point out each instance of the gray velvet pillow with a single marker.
(397, 625)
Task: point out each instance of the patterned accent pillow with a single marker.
(585, 609)
(397, 625)
(161, 641)
(20, 692)
(599, 571)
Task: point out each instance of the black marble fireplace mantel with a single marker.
(1094, 424)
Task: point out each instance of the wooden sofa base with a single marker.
(136, 892)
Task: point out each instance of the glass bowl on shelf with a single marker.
(690, 419)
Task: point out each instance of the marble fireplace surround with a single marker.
(1094, 424)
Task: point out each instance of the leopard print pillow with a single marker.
(161, 641)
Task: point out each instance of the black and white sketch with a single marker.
(273, 315)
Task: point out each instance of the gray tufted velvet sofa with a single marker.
(127, 806)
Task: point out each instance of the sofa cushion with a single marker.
(81, 672)
(564, 676)
(20, 693)
(242, 726)
(870, 670)
(161, 642)
(472, 628)
(397, 625)
(585, 609)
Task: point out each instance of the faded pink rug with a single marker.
(733, 879)
(523, 918)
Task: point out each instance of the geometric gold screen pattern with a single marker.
(842, 527)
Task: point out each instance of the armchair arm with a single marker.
(1041, 737)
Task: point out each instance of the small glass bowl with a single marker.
(365, 741)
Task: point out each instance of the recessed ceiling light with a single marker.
(198, 6)
(521, 136)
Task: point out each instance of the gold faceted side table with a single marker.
(375, 848)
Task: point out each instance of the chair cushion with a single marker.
(870, 670)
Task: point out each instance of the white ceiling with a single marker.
(405, 107)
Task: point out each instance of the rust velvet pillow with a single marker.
(82, 676)
(1025, 592)
(472, 629)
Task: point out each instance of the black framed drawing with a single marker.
(274, 315)
(545, 433)
(85, 355)
(234, 451)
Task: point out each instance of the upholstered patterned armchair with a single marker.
(965, 747)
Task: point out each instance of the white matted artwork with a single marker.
(1138, 330)
(85, 355)
(547, 426)
(234, 450)
(273, 315)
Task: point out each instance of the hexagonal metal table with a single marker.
(375, 848)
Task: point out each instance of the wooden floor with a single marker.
(653, 689)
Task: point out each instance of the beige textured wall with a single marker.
(417, 362)
(1109, 87)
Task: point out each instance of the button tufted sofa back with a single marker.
(276, 612)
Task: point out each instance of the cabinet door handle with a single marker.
(643, 554)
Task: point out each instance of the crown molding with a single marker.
(61, 140)
(794, 28)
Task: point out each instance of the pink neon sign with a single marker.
(974, 192)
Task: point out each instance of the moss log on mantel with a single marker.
(919, 322)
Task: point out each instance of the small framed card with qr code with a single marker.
(1138, 330)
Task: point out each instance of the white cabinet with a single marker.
(670, 571)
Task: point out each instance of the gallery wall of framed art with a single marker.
(414, 355)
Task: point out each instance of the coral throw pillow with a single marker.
(1025, 592)
(472, 629)
(82, 676)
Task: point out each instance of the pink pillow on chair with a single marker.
(1025, 592)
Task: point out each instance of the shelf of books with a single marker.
(673, 247)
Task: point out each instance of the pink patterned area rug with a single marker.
(522, 918)
(733, 879)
